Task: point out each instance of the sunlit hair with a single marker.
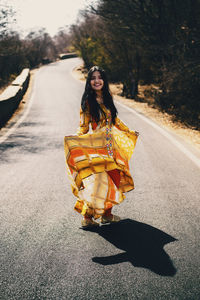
(89, 97)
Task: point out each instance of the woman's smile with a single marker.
(96, 81)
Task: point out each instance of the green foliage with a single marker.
(39, 45)
(62, 41)
(17, 53)
(6, 14)
(147, 41)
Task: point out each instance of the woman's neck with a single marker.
(99, 97)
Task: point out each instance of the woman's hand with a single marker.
(132, 132)
(137, 133)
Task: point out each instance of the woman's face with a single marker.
(96, 81)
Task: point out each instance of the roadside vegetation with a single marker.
(17, 53)
(149, 46)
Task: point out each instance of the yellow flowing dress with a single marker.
(92, 157)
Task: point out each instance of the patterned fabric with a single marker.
(91, 156)
(99, 194)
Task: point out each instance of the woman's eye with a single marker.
(93, 78)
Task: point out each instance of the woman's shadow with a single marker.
(142, 243)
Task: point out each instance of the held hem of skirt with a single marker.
(88, 166)
(96, 164)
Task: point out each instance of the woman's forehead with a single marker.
(96, 73)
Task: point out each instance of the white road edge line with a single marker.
(21, 119)
(189, 154)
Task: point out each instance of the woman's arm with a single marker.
(84, 122)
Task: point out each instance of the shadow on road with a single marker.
(31, 138)
(143, 246)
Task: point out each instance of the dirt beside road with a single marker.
(165, 120)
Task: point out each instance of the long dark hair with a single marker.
(89, 97)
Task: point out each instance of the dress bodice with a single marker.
(105, 120)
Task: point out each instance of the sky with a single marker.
(49, 14)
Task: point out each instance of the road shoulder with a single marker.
(24, 105)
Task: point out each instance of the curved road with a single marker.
(153, 253)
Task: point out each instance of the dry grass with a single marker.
(190, 135)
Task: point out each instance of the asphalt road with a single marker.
(152, 254)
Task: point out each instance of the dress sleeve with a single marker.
(123, 127)
(120, 125)
(84, 122)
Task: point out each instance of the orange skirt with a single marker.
(99, 179)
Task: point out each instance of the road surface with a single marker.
(152, 254)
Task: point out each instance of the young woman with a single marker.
(97, 162)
